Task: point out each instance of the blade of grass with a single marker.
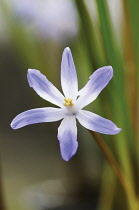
(114, 58)
(108, 186)
(94, 51)
(124, 181)
(131, 16)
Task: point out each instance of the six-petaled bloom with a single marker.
(70, 104)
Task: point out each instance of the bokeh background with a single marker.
(33, 34)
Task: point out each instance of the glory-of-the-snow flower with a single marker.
(71, 104)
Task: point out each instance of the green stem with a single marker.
(127, 187)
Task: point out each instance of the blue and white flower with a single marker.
(70, 104)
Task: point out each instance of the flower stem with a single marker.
(131, 197)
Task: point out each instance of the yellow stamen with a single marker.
(68, 102)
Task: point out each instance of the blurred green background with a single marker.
(33, 34)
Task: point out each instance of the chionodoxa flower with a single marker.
(70, 104)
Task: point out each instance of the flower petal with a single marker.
(69, 80)
(96, 123)
(67, 136)
(38, 115)
(98, 80)
(44, 88)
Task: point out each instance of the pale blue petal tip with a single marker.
(68, 152)
(12, 126)
(119, 130)
(67, 49)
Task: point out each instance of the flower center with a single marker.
(68, 102)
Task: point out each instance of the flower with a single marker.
(70, 104)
